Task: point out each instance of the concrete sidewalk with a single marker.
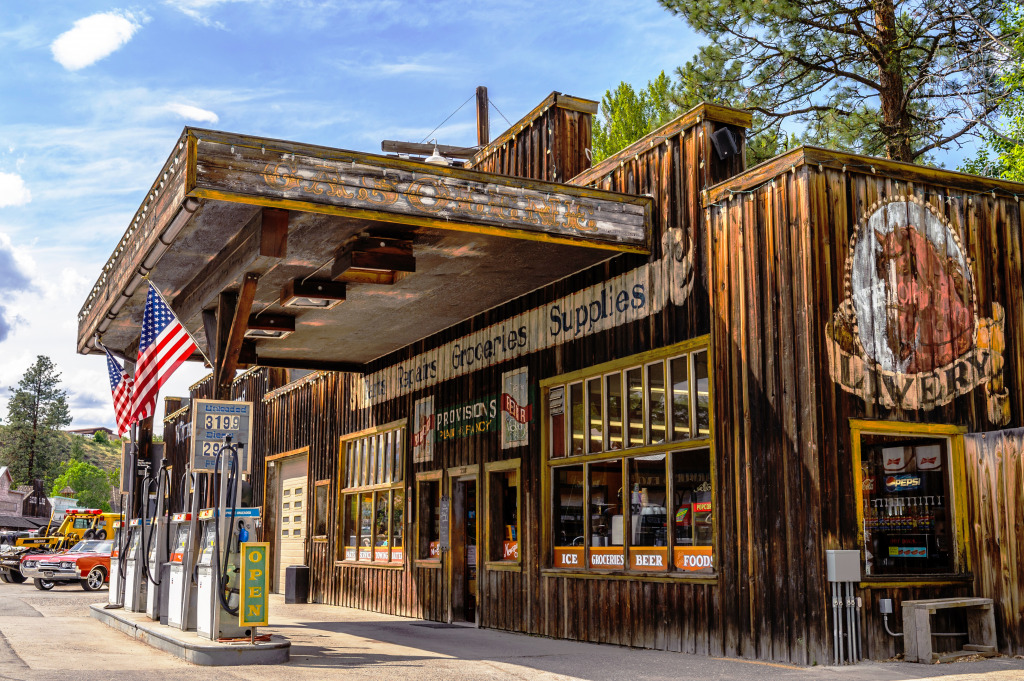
(51, 635)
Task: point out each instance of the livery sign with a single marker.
(909, 333)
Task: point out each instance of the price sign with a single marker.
(212, 420)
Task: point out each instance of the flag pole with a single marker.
(184, 328)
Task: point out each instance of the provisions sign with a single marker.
(252, 608)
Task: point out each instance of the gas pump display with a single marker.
(135, 588)
(181, 597)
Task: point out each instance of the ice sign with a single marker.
(212, 421)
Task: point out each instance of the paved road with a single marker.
(46, 636)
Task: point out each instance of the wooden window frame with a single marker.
(690, 348)
(431, 476)
(364, 461)
(327, 526)
(490, 562)
(954, 436)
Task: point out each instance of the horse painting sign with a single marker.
(908, 334)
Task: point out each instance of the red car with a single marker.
(87, 562)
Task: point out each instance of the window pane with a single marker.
(700, 377)
(379, 456)
(578, 425)
(320, 512)
(607, 525)
(656, 402)
(365, 526)
(567, 516)
(504, 514)
(648, 516)
(635, 412)
(680, 397)
(613, 395)
(397, 524)
(691, 478)
(907, 514)
(381, 526)
(556, 407)
(386, 449)
(396, 454)
(351, 532)
(349, 465)
(429, 521)
(595, 414)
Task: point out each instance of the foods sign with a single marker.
(909, 333)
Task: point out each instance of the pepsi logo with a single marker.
(902, 483)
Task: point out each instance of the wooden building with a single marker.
(505, 362)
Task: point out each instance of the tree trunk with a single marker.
(895, 126)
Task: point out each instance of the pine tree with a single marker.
(37, 411)
(900, 78)
(627, 115)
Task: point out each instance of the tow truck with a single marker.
(78, 524)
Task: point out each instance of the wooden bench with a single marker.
(917, 629)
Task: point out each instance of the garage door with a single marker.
(291, 547)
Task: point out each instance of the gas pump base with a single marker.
(188, 646)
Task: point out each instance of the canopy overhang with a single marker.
(237, 214)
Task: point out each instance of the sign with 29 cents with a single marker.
(212, 420)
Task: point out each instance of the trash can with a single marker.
(296, 584)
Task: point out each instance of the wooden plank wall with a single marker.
(995, 494)
(552, 145)
(778, 252)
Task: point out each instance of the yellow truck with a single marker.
(77, 524)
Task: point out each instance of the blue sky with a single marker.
(94, 95)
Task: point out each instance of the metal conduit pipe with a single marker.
(164, 241)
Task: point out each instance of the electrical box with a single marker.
(885, 606)
(842, 566)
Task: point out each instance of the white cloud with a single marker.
(13, 191)
(93, 38)
(193, 113)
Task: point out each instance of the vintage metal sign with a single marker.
(516, 410)
(423, 430)
(469, 418)
(909, 333)
(253, 608)
(631, 296)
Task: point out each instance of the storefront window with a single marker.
(397, 524)
(648, 511)
(429, 523)
(907, 515)
(567, 516)
(503, 514)
(372, 472)
(648, 520)
(320, 508)
(607, 524)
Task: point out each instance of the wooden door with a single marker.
(293, 497)
(464, 554)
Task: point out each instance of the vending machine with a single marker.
(182, 593)
(135, 586)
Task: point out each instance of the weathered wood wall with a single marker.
(995, 493)
(780, 236)
(551, 143)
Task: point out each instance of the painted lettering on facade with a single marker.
(629, 297)
(470, 418)
(909, 333)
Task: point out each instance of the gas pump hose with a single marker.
(232, 481)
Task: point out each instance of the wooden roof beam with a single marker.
(262, 241)
(225, 369)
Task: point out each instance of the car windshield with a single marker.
(92, 546)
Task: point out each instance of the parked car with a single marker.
(87, 562)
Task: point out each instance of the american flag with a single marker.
(121, 389)
(164, 345)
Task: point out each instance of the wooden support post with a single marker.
(239, 318)
(483, 126)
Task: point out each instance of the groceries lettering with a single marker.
(468, 355)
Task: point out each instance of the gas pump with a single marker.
(116, 593)
(135, 582)
(155, 554)
(181, 591)
(223, 529)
